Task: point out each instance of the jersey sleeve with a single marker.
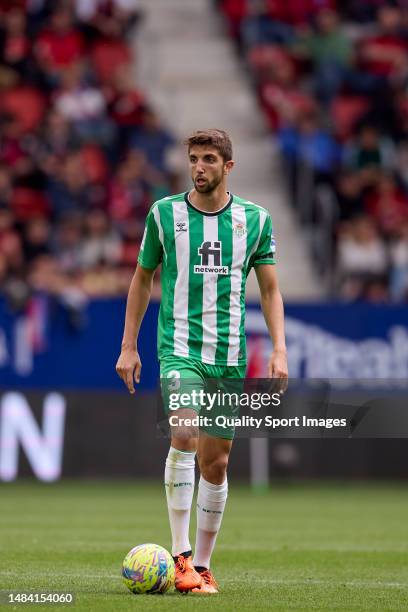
(151, 249)
(265, 253)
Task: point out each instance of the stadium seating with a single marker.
(75, 137)
(331, 80)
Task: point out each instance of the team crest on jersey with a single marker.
(239, 229)
(210, 253)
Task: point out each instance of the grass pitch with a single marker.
(298, 547)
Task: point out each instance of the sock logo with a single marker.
(208, 510)
(178, 484)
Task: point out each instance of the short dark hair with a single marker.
(214, 138)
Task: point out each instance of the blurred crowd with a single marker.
(82, 154)
(332, 78)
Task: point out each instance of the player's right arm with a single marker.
(129, 365)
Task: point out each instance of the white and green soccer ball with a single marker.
(148, 568)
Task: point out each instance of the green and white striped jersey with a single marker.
(206, 258)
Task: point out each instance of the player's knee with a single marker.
(214, 469)
(184, 437)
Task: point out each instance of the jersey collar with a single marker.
(209, 214)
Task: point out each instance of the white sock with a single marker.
(211, 502)
(179, 482)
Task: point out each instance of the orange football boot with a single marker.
(208, 585)
(187, 577)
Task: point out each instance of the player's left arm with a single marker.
(272, 308)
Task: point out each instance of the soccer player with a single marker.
(207, 240)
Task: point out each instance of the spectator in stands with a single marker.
(109, 19)
(104, 280)
(70, 191)
(12, 273)
(59, 45)
(53, 143)
(330, 50)
(283, 101)
(45, 275)
(125, 105)
(65, 85)
(3, 269)
(28, 203)
(376, 291)
(130, 190)
(301, 13)
(399, 264)
(37, 238)
(317, 147)
(153, 139)
(101, 243)
(12, 248)
(349, 195)
(6, 216)
(266, 22)
(311, 145)
(402, 164)
(369, 150)
(385, 53)
(107, 55)
(84, 107)
(387, 205)
(362, 258)
(362, 11)
(311, 158)
(161, 152)
(322, 79)
(132, 232)
(5, 189)
(7, 227)
(368, 154)
(68, 243)
(15, 44)
(11, 149)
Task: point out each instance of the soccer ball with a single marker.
(148, 568)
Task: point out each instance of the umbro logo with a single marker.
(181, 227)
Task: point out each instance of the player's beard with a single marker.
(209, 186)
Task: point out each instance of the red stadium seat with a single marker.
(236, 10)
(28, 203)
(94, 163)
(25, 104)
(107, 56)
(345, 112)
(263, 56)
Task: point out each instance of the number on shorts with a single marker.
(175, 383)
